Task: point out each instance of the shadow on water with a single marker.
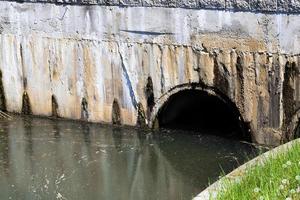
(4, 149)
(50, 159)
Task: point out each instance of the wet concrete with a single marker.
(52, 159)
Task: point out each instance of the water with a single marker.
(51, 159)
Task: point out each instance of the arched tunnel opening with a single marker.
(200, 112)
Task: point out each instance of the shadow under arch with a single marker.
(293, 127)
(202, 109)
(297, 131)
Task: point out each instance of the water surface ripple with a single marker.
(52, 159)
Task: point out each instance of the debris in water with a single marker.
(59, 196)
(4, 115)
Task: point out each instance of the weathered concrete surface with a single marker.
(75, 61)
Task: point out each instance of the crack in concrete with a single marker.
(63, 16)
(162, 77)
(23, 68)
(128, 82)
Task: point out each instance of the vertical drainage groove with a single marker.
(149, 96)
(2, 95)
(84, 109)
(141, 118)
(26, 107)
(54, 106)
(116, 113)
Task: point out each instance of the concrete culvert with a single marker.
(202, 113)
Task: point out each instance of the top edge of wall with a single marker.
(257, 6)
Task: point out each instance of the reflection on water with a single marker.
(49, 159)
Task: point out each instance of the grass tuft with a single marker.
(278, 178)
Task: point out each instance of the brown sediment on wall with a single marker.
(253, 81)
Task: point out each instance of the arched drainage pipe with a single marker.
(201, 111)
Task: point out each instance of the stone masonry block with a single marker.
(188, 4)
(237, 5)
(148, 3)
(130, 2)
(294, 6)
(288, 6)
(109, 2)
(169, 3)
(88, 2)
(165, 3)
(264, 5)
(212, 4)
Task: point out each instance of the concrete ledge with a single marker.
(237, 174)
(260, 6)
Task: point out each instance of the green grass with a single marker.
(278, 178)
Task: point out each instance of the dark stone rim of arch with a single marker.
(245, 127)
(255, 6)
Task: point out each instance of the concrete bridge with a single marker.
(227, 63)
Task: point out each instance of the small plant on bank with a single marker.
(277, 179)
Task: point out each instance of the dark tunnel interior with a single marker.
(202, 113)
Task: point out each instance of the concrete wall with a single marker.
(98, 54)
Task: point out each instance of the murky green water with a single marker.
(50, 159)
